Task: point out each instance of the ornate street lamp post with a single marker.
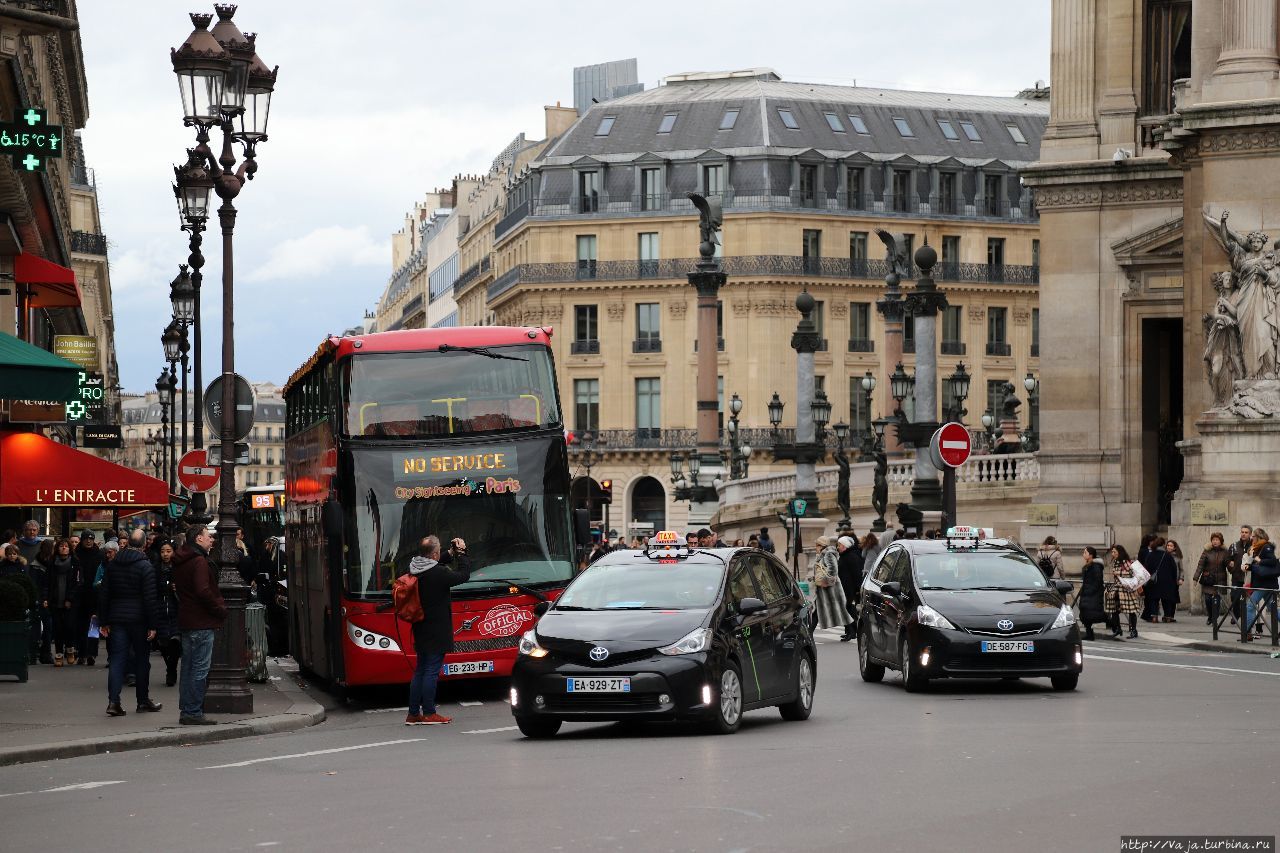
(739, 453)
(958, 383)
(880, 488)
(841, 429)
(989, 427)
(868, 441)
(1031, 438)
(162, 392)
(182, 297)
(225, 84)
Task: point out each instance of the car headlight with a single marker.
(529, 645)
(930, 618)
(697, 640)
(1065, 618)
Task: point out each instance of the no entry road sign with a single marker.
(195, 472)
(950, 446)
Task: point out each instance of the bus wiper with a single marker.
(480, 351)
(527, 590)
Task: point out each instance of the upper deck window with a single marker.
(433, 394)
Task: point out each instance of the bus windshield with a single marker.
(459, 391)
(508, 499)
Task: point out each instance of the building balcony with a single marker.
(953, 348)
(908, 345)
(591, 347)
(719, 344)
(998, 348)
(862, 345)
(88, 243)
(749, 198)
(646, 345)
(749, 265)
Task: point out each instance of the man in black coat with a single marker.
(433, 636)
(127, 620)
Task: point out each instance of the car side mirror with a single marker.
(1063, 587)
(541, 607)
(750, 606)
(891, 589)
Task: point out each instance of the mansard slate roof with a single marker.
(759, 128)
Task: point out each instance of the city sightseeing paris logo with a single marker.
(462, 488)
(504, 620)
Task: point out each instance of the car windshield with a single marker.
(977, 570)
(640, 584)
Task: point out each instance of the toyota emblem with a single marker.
(599, 653)
(1005, 624)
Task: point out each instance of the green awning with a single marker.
(30, 373)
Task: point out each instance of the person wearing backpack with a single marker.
(432, 576)
(1264, 578)
(1049, 559)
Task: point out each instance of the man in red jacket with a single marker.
(201, 611)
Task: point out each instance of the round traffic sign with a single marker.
(195, 473)
(950, 445)
(243, 402)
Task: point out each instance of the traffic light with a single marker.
(606, 491)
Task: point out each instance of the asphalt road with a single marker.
(1154, 742)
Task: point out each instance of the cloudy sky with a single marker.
(379, 102)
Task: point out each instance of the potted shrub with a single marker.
(15, 633)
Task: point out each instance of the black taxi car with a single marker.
(965, 607)
(668, 633)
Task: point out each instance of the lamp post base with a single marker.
(228, 691)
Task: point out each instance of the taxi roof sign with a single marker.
(966, 532)
(666, 537)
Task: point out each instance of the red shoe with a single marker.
(415, 720)
(436, 720)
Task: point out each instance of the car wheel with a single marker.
(802, 706)
(538, 727)
(912, 678)
(1065, 682)
(870, 672)
(728, 708)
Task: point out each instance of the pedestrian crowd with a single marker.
(136, 593)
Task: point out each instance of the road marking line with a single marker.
(491, 731)
(1215, 669)
(82, 786)
(470, 704)
(309, 754)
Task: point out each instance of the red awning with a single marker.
(49, 285)
(35, 471)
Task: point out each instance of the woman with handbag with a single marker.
(1169, 581)
(1124, 593)
(830, 598)
(1264, 578)
(1211, 573)
(1090, 598)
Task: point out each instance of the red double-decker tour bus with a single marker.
(395, 435)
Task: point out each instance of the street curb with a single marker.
(1244, 648)
(303, 713)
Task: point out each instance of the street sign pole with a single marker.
(948, 450)
(948, 498)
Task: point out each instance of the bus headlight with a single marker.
(529, 645)
(372, 640)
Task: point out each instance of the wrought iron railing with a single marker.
(998, 348)
(88, 243)
(862, 345)
(591, 347)
(511, 220)
(953, 348)
(647, 345)
(747, 265)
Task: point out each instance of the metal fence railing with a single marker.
(1238, 606)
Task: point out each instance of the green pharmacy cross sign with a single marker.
(31, 140)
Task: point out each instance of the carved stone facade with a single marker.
(1161, 336)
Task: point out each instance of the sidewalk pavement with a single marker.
(1190, 631)
(60, 713)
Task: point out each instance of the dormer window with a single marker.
(1016, 133)
(606, 125)
(788, 120)
(970, 131)
(668, 122)
(834, 121)
(948, 130)
(859, 126)
(904, 129)
(729, 119)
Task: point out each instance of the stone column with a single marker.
(924, 303)
(1248, 38)
(1072, 66)
(707, 282)
(891, 309)
(805, 342)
